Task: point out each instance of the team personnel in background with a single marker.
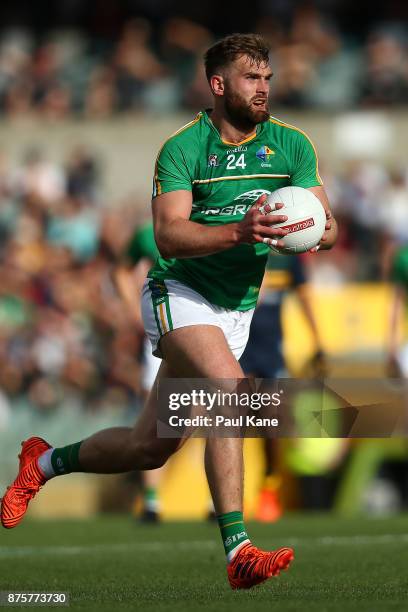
(140, 255)
(263, 356)
(397, 349)
(210, 183)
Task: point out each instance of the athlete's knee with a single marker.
(153, 462)
(149, 455)
(154, 456)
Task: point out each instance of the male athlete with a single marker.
(139, 256)
(398, 355)
(199, 297)
(264, 358)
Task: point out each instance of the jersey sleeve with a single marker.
(133, 251)
(172, 170)
(304, 162)
(141, 245)
(399, 270)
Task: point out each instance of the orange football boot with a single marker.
(28, 482)
(251, 566)
(269, 508)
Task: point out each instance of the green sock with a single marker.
(66, 459)
(150, 499)
(233, 532)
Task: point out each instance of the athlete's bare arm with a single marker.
(129, 281)
(177, 236)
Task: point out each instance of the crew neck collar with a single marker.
(253, 136)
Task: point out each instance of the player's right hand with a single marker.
(257, 225)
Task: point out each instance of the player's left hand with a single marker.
(325, 236)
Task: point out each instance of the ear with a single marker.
(217, 85)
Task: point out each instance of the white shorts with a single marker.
(150, 366)
(402, 359)
(168, 305)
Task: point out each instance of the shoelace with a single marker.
(26, 492)
(254, 560)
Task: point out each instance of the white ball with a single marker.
(306, 218)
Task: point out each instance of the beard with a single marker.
(241, 112)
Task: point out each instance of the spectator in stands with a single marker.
(385, 78)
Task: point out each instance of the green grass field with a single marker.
(113, 564)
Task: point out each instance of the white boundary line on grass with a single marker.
(13, 552)
(28, 551)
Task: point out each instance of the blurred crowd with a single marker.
(65, 333)
(370, 202)
(67, 339)
(158, 66)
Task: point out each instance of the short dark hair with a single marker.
(233, 46)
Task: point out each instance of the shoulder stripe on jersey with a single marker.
(292, 127)
(156, 182)
(239, 178)
(184, 127)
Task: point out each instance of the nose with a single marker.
(263, 86)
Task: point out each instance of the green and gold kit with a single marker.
(225, 180)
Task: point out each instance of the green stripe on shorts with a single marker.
(169, 319)
(156, 317)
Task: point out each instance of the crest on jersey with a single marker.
(264, 153)
(251, 196)
(213, 160)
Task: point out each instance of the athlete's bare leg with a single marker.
(122, 449)
(196, 351)
(224, 467)
(188, 347)
(152, 478)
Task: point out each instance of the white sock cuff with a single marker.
(234, 551)
(44, 462)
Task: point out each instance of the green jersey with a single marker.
(399, 272)
(142, 244)
(225, 180)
